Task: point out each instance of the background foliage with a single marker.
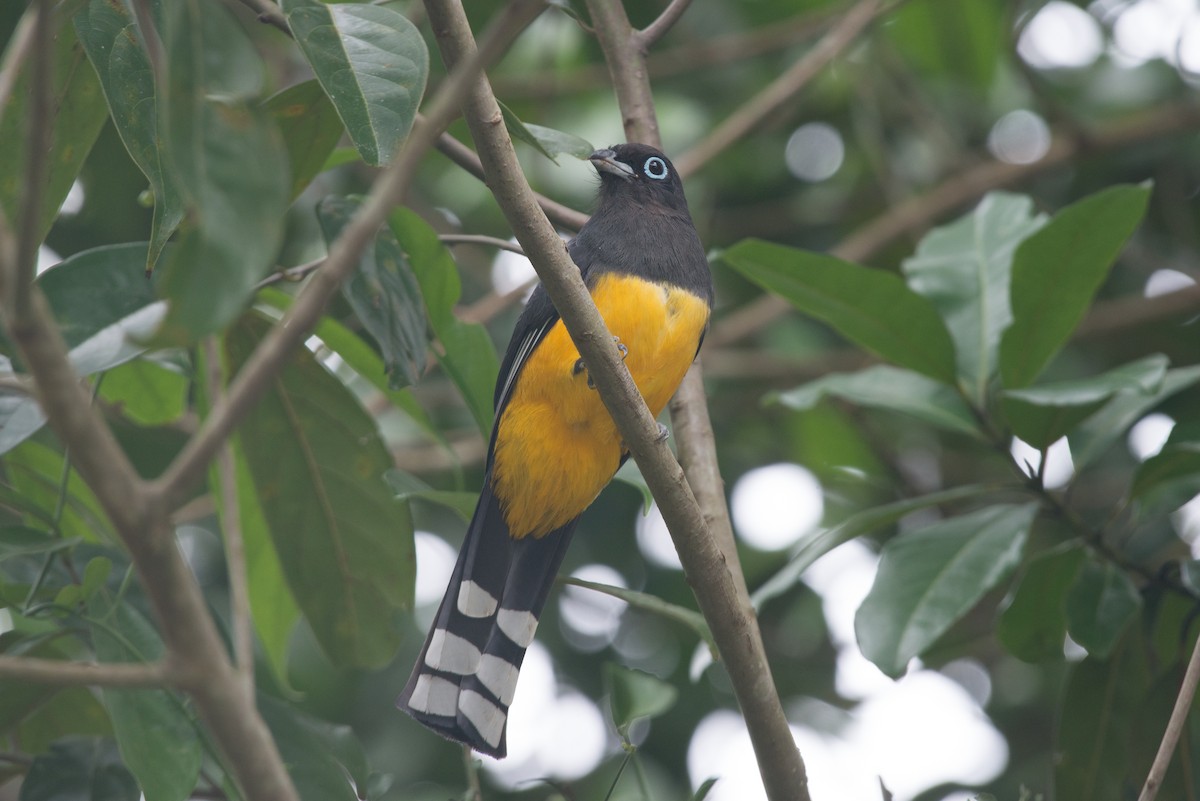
(976, 316)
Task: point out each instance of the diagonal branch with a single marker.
(777, 94)
(1170, 739)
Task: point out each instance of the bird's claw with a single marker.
(581, 367)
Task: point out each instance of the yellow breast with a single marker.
(556, 445)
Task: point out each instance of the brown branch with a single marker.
(37, 152)
(1178, 719)
(779, 92)
(479, 239)
(89, 674)
(706, 546)
(919, 213)
(646, 37)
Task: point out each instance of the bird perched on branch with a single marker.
(554, 446)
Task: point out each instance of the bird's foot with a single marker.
(581, 367)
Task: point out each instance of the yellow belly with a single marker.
(556, 445)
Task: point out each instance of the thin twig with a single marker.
(231, 527)
(493, 303)
(296, 273)
(90, 674)
(37, 152)
(269, 14)
(480, 239)
(647, 36)
(1179, 716)
(471, 766)
(777, 94)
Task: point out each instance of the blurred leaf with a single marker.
(930, 578)
(345, 544)
(408, 486)
(469, 357)
(634, 694)
(704, 789)
(1033, 622)
(158, 739)
(893, 388)
(36, 472)
(362, 359)
(146, 392)
(231, 166)
(383, 293)
(313, 766)
(76, 115)
(1100, 605)
(872, 308)
(631, 476)
(820, 542)
(959, 41)
(371, 62)
(1171, 477)
(1091, 439)
(72, 711)
(965, 267)
(1057, 270)
(114, 46)
(85, 769)
(311, 129)
(1095, 723)
(340, 156)
(1043, 414)
(650, 603)
(18, 541)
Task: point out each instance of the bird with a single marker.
(554, 446)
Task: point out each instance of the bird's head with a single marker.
(640, 174)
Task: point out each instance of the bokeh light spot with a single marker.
(1019, 137)
(774, 506)
(1060, 36)
(814, 152)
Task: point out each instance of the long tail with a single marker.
(466, 675)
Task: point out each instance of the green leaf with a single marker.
(311, 129)
(1055, 273)
(1091, 439)
(230, 162)
(961, 41)
(634, 694)
(1095, 724)
(408, 486)
(371, 62)
(158, 740)
(114, 46)
(345, 544)
(80, 768)
(73, 711)
(815, 545)
(930, 578)
(146, 391)
(886, 387)
(650, 603)
(1041, 415)
(35, 471)
(872, 308)
(518, 131)
(312, 764)
(1100, 605)
(547, 141)
(1167, 480)
(17, 541)
(704, 789)
(964, 268)
(383, 293)
(77, 113)
(1033, 622)
(469, 357)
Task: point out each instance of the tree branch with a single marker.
(1178, 719)
(918, 213)
(37, 151)
(776, 94)
(647, 36)
(92, 674)
(706, 547)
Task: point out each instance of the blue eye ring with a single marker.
(655, 168)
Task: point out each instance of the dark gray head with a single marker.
(639, 175)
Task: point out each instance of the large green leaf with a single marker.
(1092, 438)
(872, 308)
(311, 129)
(373, 64)
(930, 578)
(313, 766)
(230, 162)
(77, 114)
(383, 293)
(35, 471)
(114, 46)
(73, 711)
(813, 546)
(634, 694)
(1055, 273)
(345, 544)
(964, 268)
(1041, 415)
(468, 357)
(1033, 624)
(1100, 605)
(146, 391)
(158, 739)
(1095, 725)
(886, 387)
(80, 769)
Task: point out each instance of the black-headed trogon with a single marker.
(554, 446)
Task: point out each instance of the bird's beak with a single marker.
(606, 161)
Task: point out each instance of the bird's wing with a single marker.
(531, 328)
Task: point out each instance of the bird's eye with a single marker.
(655, 168)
